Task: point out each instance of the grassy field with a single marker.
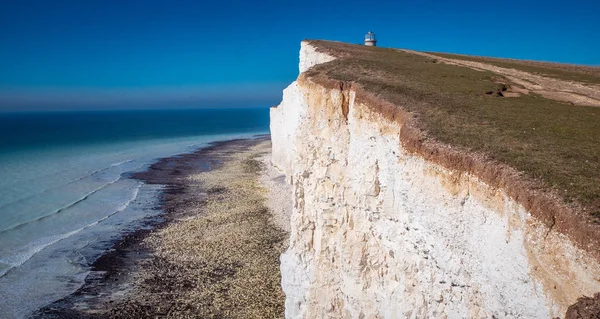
(569, 72)
(553, 142)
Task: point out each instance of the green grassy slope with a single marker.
(567, 72)
(550, 141)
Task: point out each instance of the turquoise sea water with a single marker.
(64, 191)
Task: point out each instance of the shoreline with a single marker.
(115, 276)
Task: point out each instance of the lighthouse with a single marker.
(370, 39)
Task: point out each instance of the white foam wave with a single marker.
(23, 255)
(61, 209)
(44, 190)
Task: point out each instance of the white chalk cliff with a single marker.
(378, 232)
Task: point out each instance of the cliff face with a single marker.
(380, 232)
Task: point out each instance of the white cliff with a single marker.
(378, 232)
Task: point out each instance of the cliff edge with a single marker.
(429, 185)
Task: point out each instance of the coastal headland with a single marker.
(430, 185)
(399, 184)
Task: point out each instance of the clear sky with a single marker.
(119, 53)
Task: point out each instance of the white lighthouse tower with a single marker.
(370, 39)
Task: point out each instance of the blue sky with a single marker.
(97, 54)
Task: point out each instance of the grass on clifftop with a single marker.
(551, 141)
(568, 72)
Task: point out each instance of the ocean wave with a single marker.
(26, 253)
(42, 175)
(59, 210)
(42, 191)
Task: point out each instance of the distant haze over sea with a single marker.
(188, 97)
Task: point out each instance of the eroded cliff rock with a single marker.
(379, 232)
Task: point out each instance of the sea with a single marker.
(65, 191)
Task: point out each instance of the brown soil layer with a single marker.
(187, 264)
(585, 308)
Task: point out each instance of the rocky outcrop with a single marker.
(380, 232)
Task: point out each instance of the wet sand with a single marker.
(213, 253)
